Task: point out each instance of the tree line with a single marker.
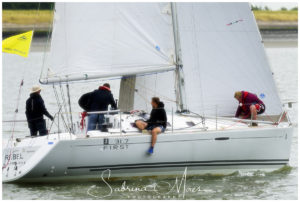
(266, 8)
(27, 6)
(49, 6)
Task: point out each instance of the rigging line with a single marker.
(37, 16)
(155, 92)
(161, 95)
(234, 124)
(47, 41)
(66, 39)
(10, 140)
(143, 97)
(283, 117)
(64, 104)
(8, 121)
(67, 62)
(59, 105)
(54, 119)
(70, 107)
(147, 104)
(197, 58)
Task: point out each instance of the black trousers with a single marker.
(38, 126)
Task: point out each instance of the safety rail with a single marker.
(104, 112)
(188, 114)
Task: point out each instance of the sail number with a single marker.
(114, 144)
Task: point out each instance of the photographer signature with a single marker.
(179, 187)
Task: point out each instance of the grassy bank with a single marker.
(26, 17)
(17, 21)
(280, 16)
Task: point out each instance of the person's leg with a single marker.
(141, 124)
(253, 112)
(92, 121)
(100, 121)
(154, 134)
(33, 132)
(32, 128)
(41, 126)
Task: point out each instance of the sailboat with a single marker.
(194, 56)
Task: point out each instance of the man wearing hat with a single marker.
(35, 109)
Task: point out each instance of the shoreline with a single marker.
(43, 29)
(39, 43)
(274, 34)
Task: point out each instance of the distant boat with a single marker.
(194, 56)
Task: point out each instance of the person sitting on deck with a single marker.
(35, 109)
(157, 122)
(98, 100)
(249, 105)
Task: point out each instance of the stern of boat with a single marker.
(23, 154)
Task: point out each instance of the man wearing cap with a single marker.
(35, 109)
(98, 100)
(249, 105)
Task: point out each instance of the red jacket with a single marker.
(247, 100)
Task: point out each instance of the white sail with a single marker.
(97, 40)
(222, 52)
(156, 85)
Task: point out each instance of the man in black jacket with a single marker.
(157, 122)
(35, 109)
(97, 100)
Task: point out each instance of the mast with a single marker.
(180, 89)
(126, 95)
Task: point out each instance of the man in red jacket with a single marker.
(249, 105)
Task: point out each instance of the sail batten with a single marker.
(106, 38)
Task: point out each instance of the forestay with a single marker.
(161, 85)
(97, 40)
(222, 52)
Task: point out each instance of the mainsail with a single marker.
(221, 47)
(98, 40)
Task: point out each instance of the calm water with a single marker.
(254, 185)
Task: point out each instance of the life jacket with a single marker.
(245, 94)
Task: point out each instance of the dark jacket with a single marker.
(247, 100)
(158, 116)
(35, 108)
(97, 100)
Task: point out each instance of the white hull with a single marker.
(68, 157)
